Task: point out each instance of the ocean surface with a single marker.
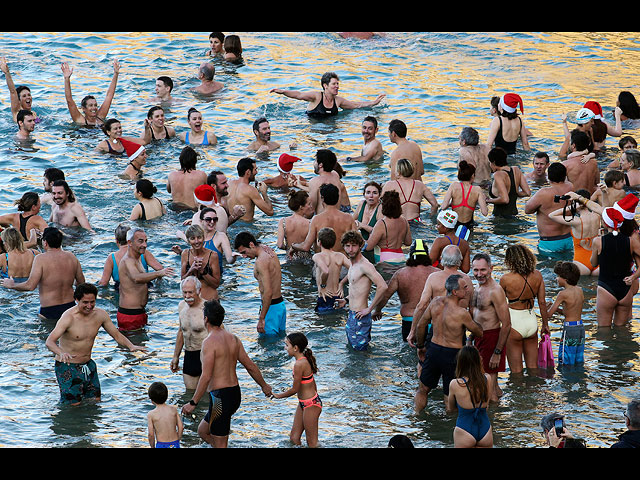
(437, 83)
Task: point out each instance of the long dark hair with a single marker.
(469, 364)
(299, 340)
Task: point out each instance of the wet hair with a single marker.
(67, 189)
(146, 188)
(633, 413)
(327, 237)
(21, 88)
(206, 210)
(297, 339)
(86, 99)
(244, 239)
(191, 278)
(557, 172)
(188, 159)
(194, 231)
(628, 227)
(327, 159)
(352, 236)
(509, 115)
(466, 171)
(404, 168)
(400, 441)
(372, 184)
(482, 256)
(27, 201)
(85, 289)
(391, 206)
(326, 78)
(451, 256)
(158, 393)
(498, 156)
(232, 44)
(495, 101)
(629, 105)
(297, 199)
(599, 130)
(52, 236)
(633, 157)
(329, 193)
(167, 81)
(152, 110)
(627, 139)
(612, 176)
(544, 155)
(213, 312)
(245, 164)
(106, 127)
(52, 174)
(258, 122)
(452, 283)
(207, 70)
(212, 178)
(583, 192)
(218, 35)
(21, 114)
(520, 259)
(132, 232)
(12, 240)
(469, 365)
(190, 111)
(580, 139)
(470, 136)
(398, 127)
(121, 234)
(371, 119)
(567, 270)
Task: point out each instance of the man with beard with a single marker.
(262, 131)
(49, 176)
(324, 166)
(66, 211)
(242, 192)
(26, 125)
(372, 149)
(490, 310)
(134, 289)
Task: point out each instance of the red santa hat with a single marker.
(510, 101)
(612, 218)
(627, 206)
(205, 195)
(285, 162)
(595, 108)
(133, 149)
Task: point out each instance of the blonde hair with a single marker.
(194, 231)
(520, 259)
(12, 239)
(404, 168)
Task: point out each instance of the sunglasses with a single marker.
(210, 219)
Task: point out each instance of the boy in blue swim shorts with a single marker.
(164, 422)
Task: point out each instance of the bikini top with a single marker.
(207, 268)
(529, 301)
(322, 111)
(465, 200)
(372, 220)
(406, 200)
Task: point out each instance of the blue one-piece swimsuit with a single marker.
(474, 421)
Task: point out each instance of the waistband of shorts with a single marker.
(131, 311)
(555, 237)
(572, 324)
(440, 347)
(275, 301)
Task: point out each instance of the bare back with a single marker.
(182, 184)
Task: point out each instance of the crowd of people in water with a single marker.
(360, 255)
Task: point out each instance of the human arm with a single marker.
(309, 240)
(76, 115)
(448, 198)
(252, 369)
(419, 311)
(392, 287)
(542, 304)
(524, 138)
(106, 105)
(428, 195)
(107, 271)
(151, 434)
(298, 370)
(32, 282)
(502, 194)
(381, 286)
(13, 93)
(502, 311)
(375, 236)
(493, 131)
(297, 95)
(533, 204)
(52, 340)
(452, 405)
(523, 186)
(123, 341)
(482, 202)
(587, 202)
(266, 293)
(175, 361)
(261, 199)
(280, 240)
(152, 261)
(350, 105)
(615, 130)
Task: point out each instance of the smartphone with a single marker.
(558, 423)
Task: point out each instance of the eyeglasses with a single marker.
(210, 219)
(625, 414)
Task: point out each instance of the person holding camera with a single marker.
(556, 434)
(554, 237)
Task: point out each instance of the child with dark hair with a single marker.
(569, 303)
(164, 422)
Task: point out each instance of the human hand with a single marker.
(187, 409)
(279, 91)
(116, 66)
(363, 313)
(66, 357)
(239, 211)
(410, 339)
(341, 302)
(174, 365)
(3, 65)
(8, 282)
(177, 249)
(268, 392)
(66, 70)
(168, 271)
(138, 348)
(494, 361)
(260, 325)
(617, 112)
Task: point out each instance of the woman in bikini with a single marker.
(391, 231)
(16, 262)
(149, 207)
(294, 228)
(463, 197)
(366, 215)
(411, 191)
(309, 405)
(197, 136)
(201, 262)
(469, 394)
(26, 221)
(522, 286)
(506, 127)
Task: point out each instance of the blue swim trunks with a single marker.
(559, 243)
(77, 381)
(327, 306)
(358, 331)
(571, 349)
(275, 322)
(174, 444)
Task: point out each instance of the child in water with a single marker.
(309, 403)
(164, 422)
(569, 303)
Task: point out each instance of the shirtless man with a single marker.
(208, 85)
(53, 273)
(449, 321)
(361, 277)
(490, 310)
(262, 132)
(218, 180)
(243, 193)
(372, 149)
(554, 237)
(328, 265)
(66, 211)
(221, 352)
(191, 332)
(324, 167)
(476, 154)
(77, 330)
(181, 183)
(49, 176)
(134, 289)
(26, 125)
(540, 165)
(451, 259)
(273, 311)
(582, 167)
(331, 217)
(408, 282)
(405, 149)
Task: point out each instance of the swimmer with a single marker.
(164, 423)
(20, 97)
(208, 86)
(113, 145)
(137, 156)
(475, 153)
(201, 262)
(508, 184)
(412, 192)
(309, 405)
(506, 127)
(17, 261)
(327, 102)
(327, 169)
(26, 125)
(262, 132)
(218, 180)
(197, 136)
(611, 190)
(66, 210)
(446, 228)
(405, 148)
(91, 115)
(285, 179)
(163, 89)
(366, 214)
(584, 123)
(148, 207)
(391, 231)
(540, 165)
(372, 149)
(26, 221)
(582, 167)
(154, 126)
(232, 48)
(181, 184)
(294, 228)
(49, 176)
(243, 193)
(328, 265)
(216, 41)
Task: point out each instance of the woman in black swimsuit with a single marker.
(149, 207)
(154, 126)
(27, 218)
(507, 126)
(201, 263)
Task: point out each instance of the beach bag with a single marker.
(545, 353)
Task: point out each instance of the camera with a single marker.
(558, 198)
(558, 423)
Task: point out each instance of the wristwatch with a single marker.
(497, 351)
(191, 402)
